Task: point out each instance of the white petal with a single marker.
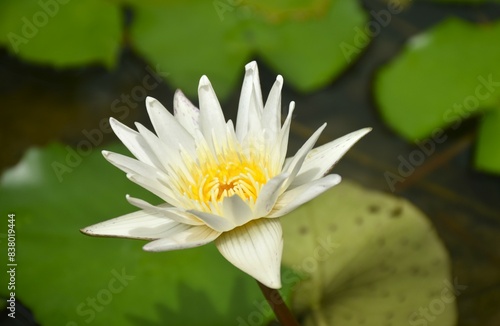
(256, 249)
(154, 186)
(186, 113)
(165, 154)
(167, 128)
(256, 86)
(236, 210)
(280, 148)
(134, 142)
(181, 239)
(166, 210)
(321, 159)
(298, 159)
(269, 194)
(216, 222)
(137, 225)
(128, 164)
(271, 116)
(292, 199)
(250, 105)
(212, 122)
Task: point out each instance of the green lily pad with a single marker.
(488, 151)
(441, 78)
(367, 258)
(188, 40)
(70, 279)
(312, 46)
(62, 32)
(310, 43)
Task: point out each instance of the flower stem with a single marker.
(279, 306)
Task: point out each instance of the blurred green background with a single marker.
(424, 74)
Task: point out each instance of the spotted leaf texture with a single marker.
(367, 258)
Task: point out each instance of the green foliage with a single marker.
(367, 259)
(376, 258)
(309, 50)
(60, 271)
(299, 39)
(216, 38)
(441, 78)
(189, 41)
(61, 33)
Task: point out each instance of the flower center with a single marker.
(241, 178)
(213, 178)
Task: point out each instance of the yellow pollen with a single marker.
(226, 175)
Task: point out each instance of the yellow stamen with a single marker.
(228, 173)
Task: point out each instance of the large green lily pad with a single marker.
(367, 258)
(443, 77)
(62, 32)
(310, 43)
(70, 279)
(352, 256)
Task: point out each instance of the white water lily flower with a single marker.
(221, 183)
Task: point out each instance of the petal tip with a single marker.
(336, 179)
(150, 100)
(251, 65)
(86, 231)
(204, 82)
(150, 247)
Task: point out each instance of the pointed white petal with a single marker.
(163, 153)
(250, 106)
(231, 134)
(212, 122)
(154, 186)
(236, 210)
(128, 164)
(297, 160)
(271, 116)
(216, 222)
(321, 159)
(294, 198)
(256, 86)
(184, 238)
(167, 128)
(186, 113)
(168, 211)
(269, 194)
(256, 249)
(136, 225)
(254, 117)
(134, 142)
(281, 146)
